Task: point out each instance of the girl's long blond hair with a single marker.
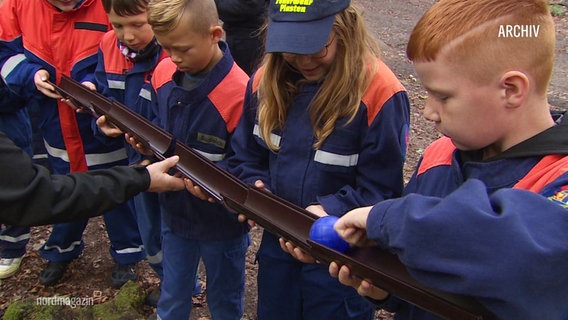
(341, 90)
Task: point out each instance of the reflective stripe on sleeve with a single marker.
(274, 138)
(11, 64)
(336, 159)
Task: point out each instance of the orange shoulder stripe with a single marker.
(114, 60)
(545, 171)
(163, 73)
(438, 153)
(383, 86)
(229, 95)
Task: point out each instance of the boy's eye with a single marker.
(438, 96)
(184, 50)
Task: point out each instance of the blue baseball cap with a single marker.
(301, 26)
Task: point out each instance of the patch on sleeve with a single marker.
(560, 197)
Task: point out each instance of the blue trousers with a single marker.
(13, 241)
(224, 268)
(289, 289)
(65, 241)
(149, 218)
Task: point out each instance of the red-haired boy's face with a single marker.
(134, 31)
(469, 113)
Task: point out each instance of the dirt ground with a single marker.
(391, 21)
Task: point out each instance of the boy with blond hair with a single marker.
(127, 58)
(484, 215)
(197, 96)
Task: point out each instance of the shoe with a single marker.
(9, 266)
(153, 297)
(121, 273)
(53, 272)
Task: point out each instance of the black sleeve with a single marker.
(30, 195)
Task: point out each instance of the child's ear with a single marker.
(216, 33)
(516, 87)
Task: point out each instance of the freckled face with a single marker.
(134, 31)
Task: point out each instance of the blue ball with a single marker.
(323, 233)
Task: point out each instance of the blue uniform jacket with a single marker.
(35, 35)
(495, 230)
(125, 81)
(14, 119)
(204, 119)
(359, 164)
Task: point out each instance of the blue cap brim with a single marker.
(298, 37)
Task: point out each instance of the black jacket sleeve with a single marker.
(30, 195)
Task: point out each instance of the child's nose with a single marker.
(430, 112)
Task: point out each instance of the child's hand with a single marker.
(40, 81)
(197, 191)
(89, 85)
(352, 227)
(295, 251)
(70, 103)
(144, 162)
(317, 209)
(363, 287)
(108, 128)
(260, 185)
(139, 147)
(242, 218)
